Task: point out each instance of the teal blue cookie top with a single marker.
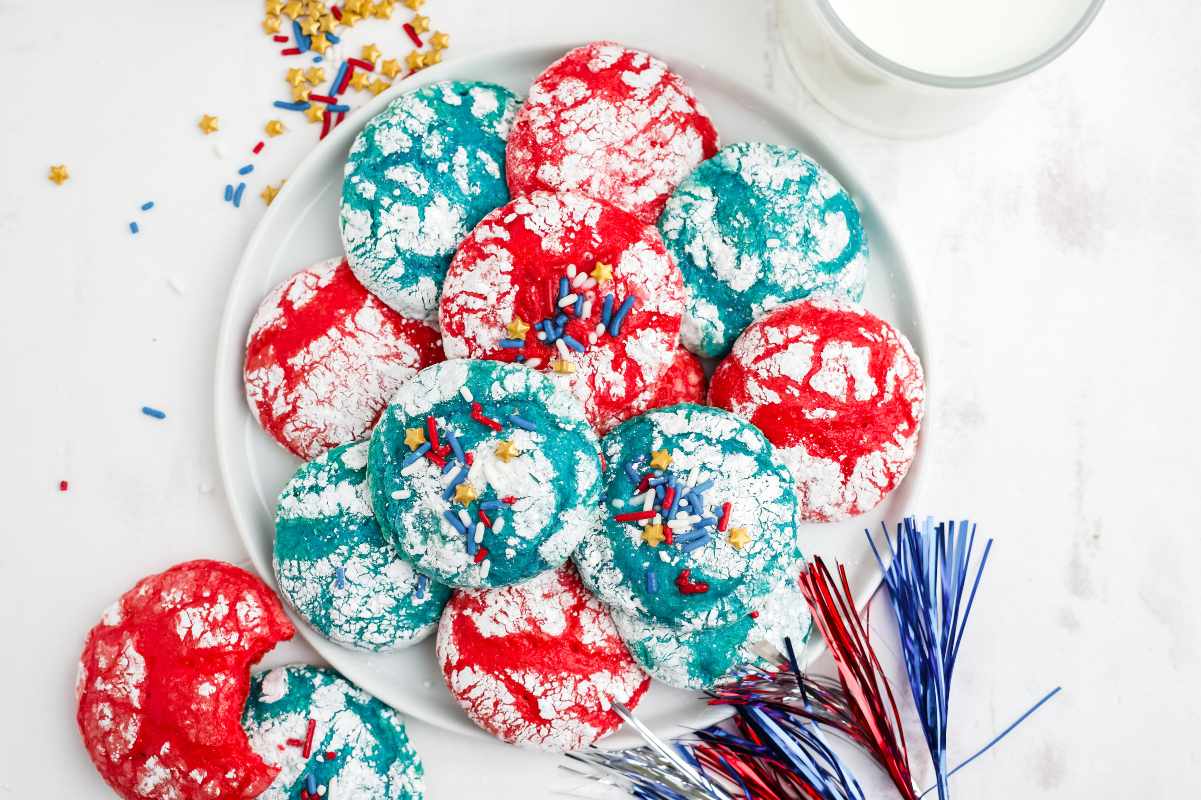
(754, 227)
(704, 658)
(699, 519)
(419, 176)
(484, 473)
(357, 747)
(335, 566)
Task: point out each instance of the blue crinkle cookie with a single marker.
(337, 569)
(699, 519)
(358, 747)
(484, 473)
(756, 226)
(419, 176)
(704, 658)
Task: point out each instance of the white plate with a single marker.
(301, 228)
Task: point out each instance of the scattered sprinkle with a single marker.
(209, 124)
(133, 227)
(149, 204)
(154, 412)
(63, 486)
(59, 174)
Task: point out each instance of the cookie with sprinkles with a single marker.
(571, 286)
(754, 227)
(841, 394)
(336, 568)
(538, 664)
(323, 356)
(700, 519)
(705, 658)
(329, 738)
(610, 122)
(163, 678)
(418, 178)
(484, 473)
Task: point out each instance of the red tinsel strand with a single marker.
(871, 702)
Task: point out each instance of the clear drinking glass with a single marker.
(872, 92)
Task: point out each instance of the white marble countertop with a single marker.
(1057, 246)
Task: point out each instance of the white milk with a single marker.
(960, 38)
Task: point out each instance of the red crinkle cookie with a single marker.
(163, 679)
(839, 391)
(324, 356)
(538, 664)
(613, 123)
(571, 286)
(684, 382)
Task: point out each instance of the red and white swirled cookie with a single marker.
(612, 123)
(538, 664)
(323, 356)
(571, 286)
(839, 392)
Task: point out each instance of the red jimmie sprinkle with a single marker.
(754, 615)
(642, 484)
(484, 518)
(359, 63)
(634, 516)
(258, 148)
(510, 499)
(413, 37)
(341, 87)
(667, 534)
(337, 12)
(431, 425)
(687, 585)
(323, 98)
(308, 736)
(470, 458)
(279, 38)
(341, 114)
(330, 755)
(481, 554)
(290, 51)
(63, 486)
(725, 516)
(295, 742)
(325, 119)
(435, 458)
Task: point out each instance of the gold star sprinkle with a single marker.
(295, 76)
(353, 6)
(653, 535)
(660, 459)
(739, 537)
(359, 80)
(316, 9)
(414, 5)
(315, 112)
(465, 493)
(371, 53)
(274, 127)
(517, 328)
(314, 75)
(270, 24)
(602, 272)
(268, 194)
(563, 366)
(208, 123)
(420, 24)
(349, 18)
(433, 57)
(390, 67)
(382, 10)
(273, 6)
(308, 26)
(300, 94)
(327, 23)
(415, 60)
(414, 437)
(58, 174)
(506, 451)
(378, 85)
(292, 10)
(319, 44)
(440, 40)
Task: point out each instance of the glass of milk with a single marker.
(909, 68)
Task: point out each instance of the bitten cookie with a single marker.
(839, 392)
(700, 519)
(329, 739)
(570, 286)
(336, 568)
(538, 664)
(705, 658)
(612, 123)
(756, 226)
(418, 177)
(323, 356)
(163, 678)
(484, 473)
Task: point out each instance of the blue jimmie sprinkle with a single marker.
(415, 455)
(337, 108)
(422, 582)
(560, 320)
(340, 577)
(620, 315)
(149, 204)
(579, 305)
(154, 412)
(563, 290)
(459, 477)
(702, 487)
(471, 545)
(317, 59)
(489, 505)
(286, 106)
(607, 309)
(341, 73)
(697, 544)
(229, 192)
(455, 447)
(133, 227)
(246, 170)
(453, 519)
(310, 783)
(302, 41)
(522, 423)
(447, 467)
(333, 38)
(238, 195)
(512, 344)
(572, 343)
(652, 584)
(658, 480)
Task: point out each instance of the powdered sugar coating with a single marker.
(335, 566)
(163, 678)
(705, 658)
(359, 748)
(323, 356)
(735, 463)
(684, 382)
(418, 177)
(536, 483)
(513, 267)
(538, 664)
(754, 227)
(612, 123)
(841, 394)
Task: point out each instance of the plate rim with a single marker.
(754, 100)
